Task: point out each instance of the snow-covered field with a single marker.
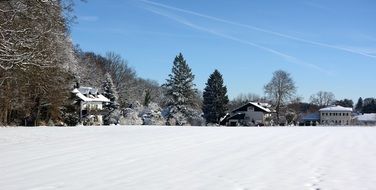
(188, 158)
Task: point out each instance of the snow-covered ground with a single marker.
(188, 158)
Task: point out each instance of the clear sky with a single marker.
(327, 45)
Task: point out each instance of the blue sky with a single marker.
(324, 45)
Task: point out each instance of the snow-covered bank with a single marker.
(187, 158)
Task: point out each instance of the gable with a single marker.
(255, 106)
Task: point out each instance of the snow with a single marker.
(90, 98)
(336, 108)
(98, 98)
(261, 106)
(366, 117)
(187, 158)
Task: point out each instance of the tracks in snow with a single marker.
(165, 158)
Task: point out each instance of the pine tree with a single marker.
(215, 98)
(180, 87)
(111, 107)
(359, 105)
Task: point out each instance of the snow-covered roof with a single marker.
(88, 94)
(87, 90)
(255, 104)
(366, 117)
(261, 106)
(336, 109)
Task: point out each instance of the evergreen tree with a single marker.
(111, 107)
(70, 112)
(215, 98)
(359, 105)
(369, 105)
(345, 103)
(180, 87)
(147, 98)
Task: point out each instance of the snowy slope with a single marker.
(187, 158)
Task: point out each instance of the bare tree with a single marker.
(35, 56)
(244, 98)
(322, 98)
(92, 68)
(280, 89)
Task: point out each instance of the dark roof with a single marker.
(311, 117)
(238, 116)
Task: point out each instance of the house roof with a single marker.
(255, 104)
(88, 94)
(238, 116)
(224, 118)
(366, 117)
(336, 109)
(87, 90)
(311, 117)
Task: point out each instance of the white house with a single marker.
(335, 115)
(365, 119)
(91, 105)
(252, 113)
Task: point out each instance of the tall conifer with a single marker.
(215, 98)
(180, 87)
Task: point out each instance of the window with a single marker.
(251, 108)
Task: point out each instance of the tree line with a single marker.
(39, 67)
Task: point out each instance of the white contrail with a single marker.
(257, 28)
(287, 57)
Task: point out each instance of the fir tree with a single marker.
(147, 98)
(111, 107)
(215, 98)
(180, 87)
(359, 105)
(70, 112)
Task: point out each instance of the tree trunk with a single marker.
(277, 112)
